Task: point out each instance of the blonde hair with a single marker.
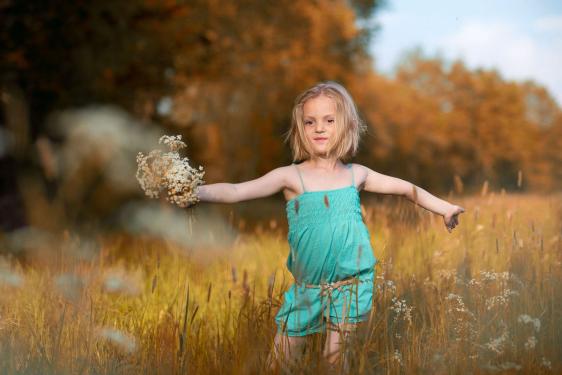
(349, 126)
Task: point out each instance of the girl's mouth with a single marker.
(320, 139)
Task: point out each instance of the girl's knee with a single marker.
(285, 346)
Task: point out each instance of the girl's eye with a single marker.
(331, 121)
(308, 122)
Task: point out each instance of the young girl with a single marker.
(331, 257)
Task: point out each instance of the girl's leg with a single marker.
(335, 337)
(285, 348)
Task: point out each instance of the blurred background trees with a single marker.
(225, 75)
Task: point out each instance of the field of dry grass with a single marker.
(485, 298)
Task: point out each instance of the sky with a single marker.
(522, 39)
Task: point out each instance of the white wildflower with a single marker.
(509, 366)
(398, 357)
(400, 307)
(10, 278)
(493, 276)
(500, 300)
(429, 283)
(160, 172)
(118, 281)
(447, 274)
(457, 304)
(487, 276)
(531, 343)
(119, 339)
(524, 319)
(496, 276)
(497, 345)
(389, 285)
(462, 318)
(502, 367)
(546, 363)
(474, 282)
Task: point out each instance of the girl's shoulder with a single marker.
(284, 171)
(357, 167)
(285, 168)
(360, 173)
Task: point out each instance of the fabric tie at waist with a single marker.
(326, 290)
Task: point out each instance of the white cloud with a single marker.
(515, 54)
(549, 23)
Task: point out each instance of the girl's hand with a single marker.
(191, 205)
(451, 217)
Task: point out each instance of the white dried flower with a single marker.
(173, 142)
(160, 172)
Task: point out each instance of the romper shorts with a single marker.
(306, 310)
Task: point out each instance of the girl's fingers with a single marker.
(454, 220)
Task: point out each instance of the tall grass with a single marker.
(483, 299)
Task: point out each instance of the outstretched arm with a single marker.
(379, 183)
(264, 186)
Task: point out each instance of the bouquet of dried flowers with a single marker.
(160, 172)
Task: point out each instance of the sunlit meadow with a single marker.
(482, 299)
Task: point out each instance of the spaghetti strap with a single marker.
(350, 166)
(302, 182)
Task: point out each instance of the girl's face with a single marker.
(319, 121)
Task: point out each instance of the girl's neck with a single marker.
(327, 164)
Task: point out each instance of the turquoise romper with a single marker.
(329, 242)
